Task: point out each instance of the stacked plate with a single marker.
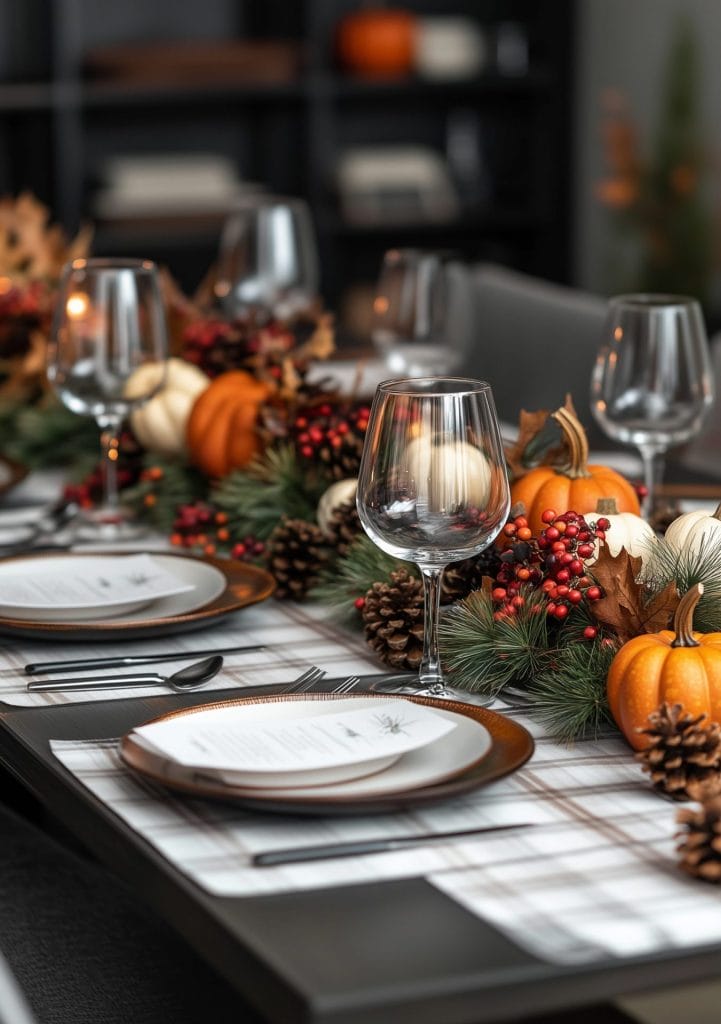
(325, 753)
(91, 596)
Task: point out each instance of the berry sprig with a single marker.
(199, 525)
(330, 435)
(552, 565)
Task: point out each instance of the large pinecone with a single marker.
(343, 527)
(393, 620)
(700, 842)
(296, 554)
(682, 753)
(461, 578)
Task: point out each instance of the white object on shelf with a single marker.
(449, 48)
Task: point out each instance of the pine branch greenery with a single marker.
(484, 654)
(46, 435)
(156, 500)
(255, 499)
(685, 568)
(569, 695)
(348, 578)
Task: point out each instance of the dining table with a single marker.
(559, 888)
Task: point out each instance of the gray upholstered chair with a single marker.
(14, 1007)
(533, 341)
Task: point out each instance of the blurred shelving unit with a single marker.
(83, 84)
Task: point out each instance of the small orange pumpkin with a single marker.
(221, 433)
(377, 41)
(574, 487)
(679, 666)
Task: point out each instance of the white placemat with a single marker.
(596, 876)
(295, 636)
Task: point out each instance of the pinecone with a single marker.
(461, 578)
(343, 527)
(295, 557)
(700, 841)
(393, 620)
(682, 753)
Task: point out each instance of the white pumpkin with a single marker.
(692, 530)
(339, 493)
(626, 530)
(160, 423)
(448, 475)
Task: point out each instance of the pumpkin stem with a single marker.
(717, 513)
(606, 507)
(683, 619)
(575, 437)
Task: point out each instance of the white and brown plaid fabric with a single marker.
(595, 876)
(296, 636)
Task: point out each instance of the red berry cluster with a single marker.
(199, 525)
(553, 563)
(326, 426)
(89, 491)
(218, 345)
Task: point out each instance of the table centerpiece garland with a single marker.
(240, 456)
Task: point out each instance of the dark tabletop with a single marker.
(386, 953)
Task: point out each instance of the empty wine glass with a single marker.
(652, 384)
(410, 313)
(109, 320)
(432, 489)
(268, 264)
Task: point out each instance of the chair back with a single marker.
(14, 1007)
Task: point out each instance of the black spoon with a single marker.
(188, 678)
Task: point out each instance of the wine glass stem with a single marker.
(110, 443)
(430, 673)
(653, 462)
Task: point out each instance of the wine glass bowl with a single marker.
(268, 262)
(410, 313)
(652, 384)
(109, 320)
(432, 486)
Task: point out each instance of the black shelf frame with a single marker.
(301, 125)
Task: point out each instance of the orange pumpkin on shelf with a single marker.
(679, 666)
(377, 42)
(574, 487)
(221, 432)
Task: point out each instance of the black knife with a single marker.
(129, 659)
(358, 848)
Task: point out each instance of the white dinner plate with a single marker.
(205, 583)
(435, 762)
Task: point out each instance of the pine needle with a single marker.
(348, 578)
(685, 568)
(484, 655)
(256, 499)
(569, 695)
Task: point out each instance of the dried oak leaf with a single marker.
(539, 441)
(624, 607)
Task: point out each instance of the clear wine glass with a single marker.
(652, 383)
(432, 489)
(109, 320)
(268, 263)
(410, 313)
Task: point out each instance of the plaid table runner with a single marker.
(296, 636)
(595, 876)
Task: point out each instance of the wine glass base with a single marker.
(105, 526)
(410, 686)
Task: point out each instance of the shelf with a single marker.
(131, 94)
(489, 84)
(493, 222)
(26, 96)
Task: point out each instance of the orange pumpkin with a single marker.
(679, 666)
(221, 433)
(377, 42)
(574, 487)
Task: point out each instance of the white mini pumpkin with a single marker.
(448, 475)
(626, 530)
(339, 493)
(692, 530)
(160, 423)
